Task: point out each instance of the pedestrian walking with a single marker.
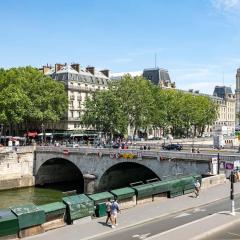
(108, 210)
(197, 188)
(114, 211)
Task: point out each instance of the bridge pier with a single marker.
(89, 183)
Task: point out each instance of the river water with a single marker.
(36, 195)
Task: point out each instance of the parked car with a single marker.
(173, 146)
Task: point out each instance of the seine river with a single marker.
(36, 195)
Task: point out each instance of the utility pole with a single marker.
(218, 163)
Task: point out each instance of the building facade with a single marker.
(79, 84)
(227, 108)
(159, 77)
(237, 92)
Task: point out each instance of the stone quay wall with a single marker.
(16, 167)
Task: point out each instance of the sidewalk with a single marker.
(141, 214)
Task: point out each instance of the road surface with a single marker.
(169, 222)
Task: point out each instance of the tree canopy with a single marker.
(137, 103)
(27, 96)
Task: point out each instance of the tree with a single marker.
(137, 103)
(159, 109)
(13, 105)
(136, 100)
(104, 112)
(206, 114)
(37, 98)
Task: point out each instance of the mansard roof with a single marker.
(67, 69)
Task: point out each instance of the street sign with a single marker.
(222, 165)
(214, 165)
(236, 164)
(229, 166)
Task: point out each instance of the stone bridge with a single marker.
(103, 169)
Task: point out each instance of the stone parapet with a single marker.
(213, 181)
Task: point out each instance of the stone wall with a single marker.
(107, 169)
(213, 181)
(16, 168)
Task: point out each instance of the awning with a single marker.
(32, 134)
(45, 134)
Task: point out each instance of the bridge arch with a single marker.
(123, 173)
(56, 171)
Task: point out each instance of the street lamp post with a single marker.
(232, 178)
(218, 163)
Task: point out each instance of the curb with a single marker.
(151, 219)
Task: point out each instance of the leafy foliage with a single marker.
(137, 103)
(26, 95)
(103, 111)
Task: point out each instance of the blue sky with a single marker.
(198, 41)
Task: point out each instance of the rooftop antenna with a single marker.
(155, 56)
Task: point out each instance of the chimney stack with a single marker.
(58, 66)
(76, 66)
(91, 70)
(46, 69)
(105, 72)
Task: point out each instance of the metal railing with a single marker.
(161, 155)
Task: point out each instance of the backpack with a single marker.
(114, 207)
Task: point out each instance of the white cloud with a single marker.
(202, 78)
(203, 87)
(226, 5)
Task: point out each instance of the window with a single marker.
(71, 103)
(71, 114)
